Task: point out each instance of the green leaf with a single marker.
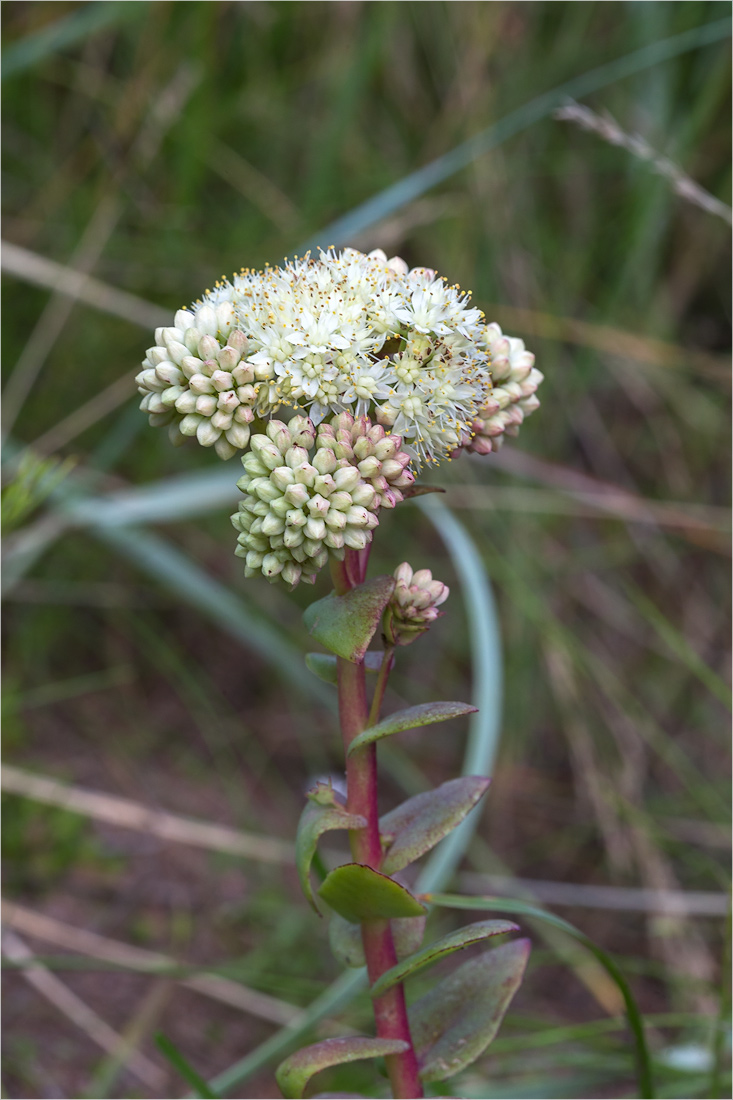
(423, 715)
(359, 893)
(636, 1022)
(187, 1072)
(324, 666)
(347, 947)
(408, 933)
(296, 1071)
(419, 823)
(346, 624)
(454, 941)
(455, 1022)
(345, 941)
(320, 815)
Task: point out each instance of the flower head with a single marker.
(340, 332)
(311, 492)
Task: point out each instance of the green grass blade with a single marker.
(183, 577)
(336, 997)
(487, 669)
(417, 183)
(185, 1069)
(64, 32)
(676, 642)
(636, 1023)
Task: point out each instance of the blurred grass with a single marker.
(224, 134)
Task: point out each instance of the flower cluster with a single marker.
(309, 493)
(413, 606)
(380, 370)
(343, 332)
(513, 397)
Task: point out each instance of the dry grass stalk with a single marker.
(132, 815)
(166, 107)
(75, 284)
(606, 127)
(79, 1013)
(664, 902)
(39, 926)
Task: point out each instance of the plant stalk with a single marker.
(390, 1010)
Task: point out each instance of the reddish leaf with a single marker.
(419, 823)
(454, 941)
(455, 1022)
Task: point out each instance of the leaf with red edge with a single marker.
(422, 715)
(296, 1071)
(446, 945)
(419, 823)
(454, 1023)
(346, 624)
(359, 893)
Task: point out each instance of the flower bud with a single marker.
(413, 605)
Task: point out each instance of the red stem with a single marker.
(361, 776)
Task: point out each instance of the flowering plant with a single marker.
(340, 377)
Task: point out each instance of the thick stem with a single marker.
(361, 775)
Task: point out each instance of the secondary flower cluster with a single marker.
(343, 332)
(313, 491)
(414, 604)
(380, 370)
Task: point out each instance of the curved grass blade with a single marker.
(177, 572)
(425, 714)
(506, 905)
(454, 941)
(296, 1071)
(186, 1070)
(487, 677)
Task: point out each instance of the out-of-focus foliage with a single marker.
(159, 146)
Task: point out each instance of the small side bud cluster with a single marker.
(377, 456)
(301, 504)
(413, 606)
(196, 381)
(513, 397)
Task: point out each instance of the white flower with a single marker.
(338, 331)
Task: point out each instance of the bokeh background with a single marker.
(156, 146)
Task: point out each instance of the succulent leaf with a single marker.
(346, 624)
(454, 941)
(323, 665)
(358, 893)
(296, 1071)
(419, 823)
(315, 820)
(454, 1023)
(424, 714)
